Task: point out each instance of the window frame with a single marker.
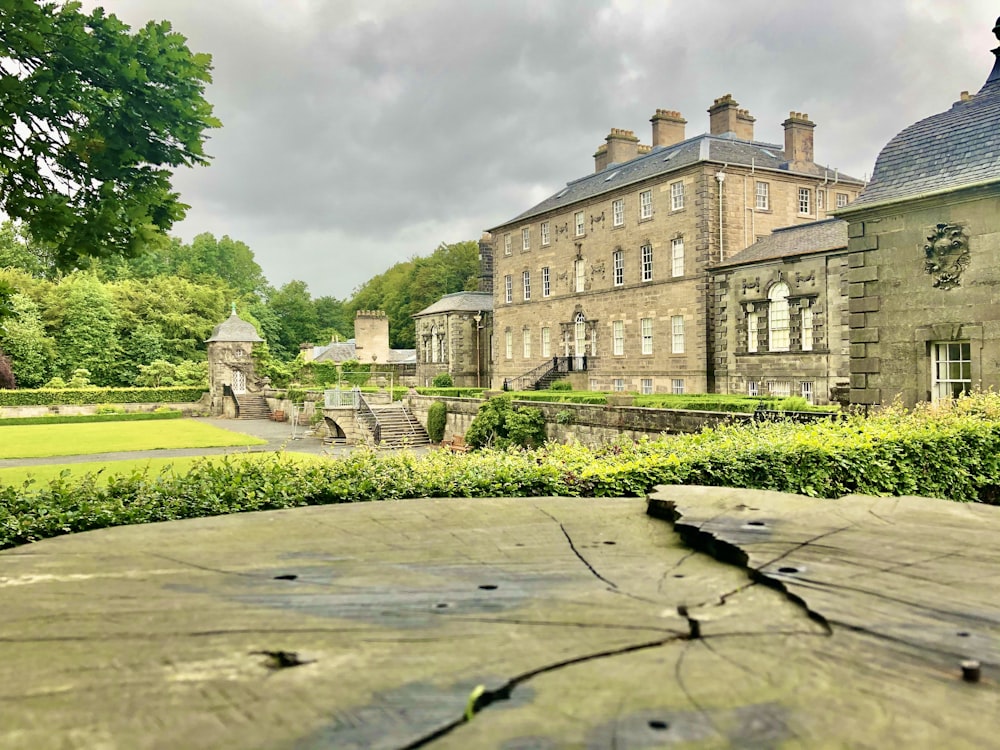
(646, 262)
(646, 335)
(579, 275)
(842, 200)
(546, 282)
(677, 386)
(676, 334)
(508, 289)
(525, 239)
(618, 338)
(753, 330)
(543, 230)
(677, 257)
(618, 385)
(778, 318)
(943, 387)
(526, 342)
(645, 204)
(618, 212)
(526, 285)
(579, 224)
(807, 329)
(762, 197)
(618, 268)
(646, 386)
(805, 201)
(507, 244)
(677, 195)
(546, 339)
(508, 336)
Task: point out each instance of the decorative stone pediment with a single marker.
(946, 255)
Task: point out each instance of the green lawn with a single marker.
(36, 441)
(44, 473)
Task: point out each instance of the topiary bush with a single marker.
(437, 418)
(500, 424)
(443, 380)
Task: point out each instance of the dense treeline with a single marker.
(143, 320)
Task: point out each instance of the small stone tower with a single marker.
(229, 360)
(371, 336)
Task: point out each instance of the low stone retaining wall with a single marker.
(585, 423)
(188, 408)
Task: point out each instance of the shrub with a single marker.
(94, 395)
(437, 417)
(565, 416)
(561, 385)
(109, 409)
(500, 424)
(443, 380)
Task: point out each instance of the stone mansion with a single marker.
(721, 263)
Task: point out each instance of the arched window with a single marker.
(777, 318)
(580, 334)
(434, 344)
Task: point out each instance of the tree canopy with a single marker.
(93, 118)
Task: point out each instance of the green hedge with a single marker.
(79, 396)
(562, 397)
(949, 452)
(69, 419)
(452, 392)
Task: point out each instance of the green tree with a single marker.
(296, 314)
(88, 336)
(23, 336)
(500, 424)
(227, 259)
(93, 118)
(18, 250)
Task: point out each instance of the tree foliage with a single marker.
(500, 424)
(93, 118)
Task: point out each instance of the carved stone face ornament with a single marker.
(946, 255)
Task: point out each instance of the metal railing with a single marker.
(337, 398)
(368, 417)
(530, 379)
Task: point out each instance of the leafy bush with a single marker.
(561, 385)
(565, 416)
(949, 451)
(109, 409)
(452, 392)
(437, 418)
(93, 395)
(562, 397)
(500, 424)
(443, 380)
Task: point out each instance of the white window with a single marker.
(807, 329)
(752, 330)
(526, 337)
(526, 279)
(752, 388)
(508, 289)
(677, 334)
(647, 262)
(579, 275)
(618, 267)
(618, 385)
(676, 196)
(677, 257)
(777, 318)
(805, 201)
(546, 286)
(763, 196)
(435, 349)
(508, 341)
(779, 388)
(578, 220)
(525, 239)
(546, 343)
(580, 334)
(618, 337)
(951, 374)
(841, 200)
(677, 386)
(646, 204)
(506, 244)
(646, 330)
(545, 233)
(594, 385)
(820, 200)
(618, 212)
(646, 386)
(806, 389)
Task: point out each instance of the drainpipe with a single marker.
(721, 177)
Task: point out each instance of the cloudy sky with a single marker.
(359, 133)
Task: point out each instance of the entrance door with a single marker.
(239, 381)
(579, 341)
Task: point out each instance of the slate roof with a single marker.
(801, 239)
(459, 302)
(662, 160)
(947, 151)
(234, 328)
(343, 351)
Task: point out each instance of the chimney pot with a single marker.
(798, 138)
(668, 127)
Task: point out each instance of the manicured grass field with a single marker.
(44, 473)
(35, 441)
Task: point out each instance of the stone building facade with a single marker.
(453, 338)
(610, 273)
(230, 363)
(924, 261)
(781, 317)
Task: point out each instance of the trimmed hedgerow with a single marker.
(437, 418)
(951, 451)
(78, 396)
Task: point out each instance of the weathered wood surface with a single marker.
(587, 623)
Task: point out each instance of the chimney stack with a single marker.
(722, 115)
(668, 127)
(798, 137)
(744, 125)
(621, 146)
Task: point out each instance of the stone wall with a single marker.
(188, 408)
(589, 424)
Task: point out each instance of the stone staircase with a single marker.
(250, 406)
(399, 428)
